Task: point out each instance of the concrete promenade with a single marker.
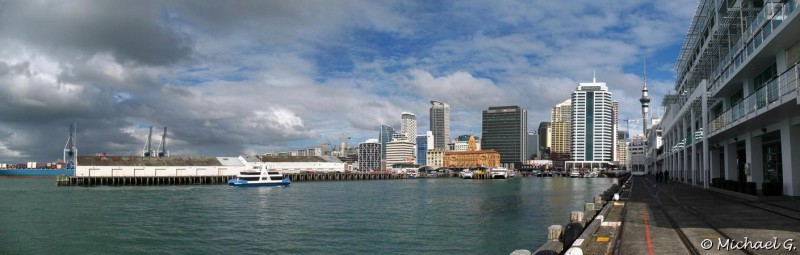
(675, 218)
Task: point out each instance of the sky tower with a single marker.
(645, 100)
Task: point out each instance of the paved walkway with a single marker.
(680, 219)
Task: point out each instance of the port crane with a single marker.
(148, 151)
(71, 149)
(162, 149)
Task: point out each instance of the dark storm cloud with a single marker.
(135, 31)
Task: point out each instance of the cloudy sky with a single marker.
(255, 76)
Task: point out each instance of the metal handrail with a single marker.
(774, 90)
(767, 20)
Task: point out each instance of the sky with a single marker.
(245, 77)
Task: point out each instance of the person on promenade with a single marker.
(666, 176)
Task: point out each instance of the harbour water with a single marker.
(422, 216)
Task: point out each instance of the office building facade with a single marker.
(736, 114)
(505, 130)
(592, 125)
(440, 124)
(560, 119)
(369, 155)
(408, 126)
(424, 142)
(386, 135)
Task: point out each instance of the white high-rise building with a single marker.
(592, 126)
(399, 151)
(440, 124)
(408, 126)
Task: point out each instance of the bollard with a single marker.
(598, 202)
(521, 252)
(554, 232)
(574, 251)
(589, 210)
(571, 233)
(576, 216)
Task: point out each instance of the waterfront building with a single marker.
(545, 138)
(399, 152)
(369, 155)
(118, 166)
(408, 126)
(386, 135)
(592, 139)
(462, 143)
(435, 158)
(296, 164)
(424, 142)
(471, 159)
(560, 119)
(735, 115)
(440, 124)
(505, 130)
(636, 154)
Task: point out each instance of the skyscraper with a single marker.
(387, 132)
(615, 125)
(505, 130)
(545, 138)
(424, 142)
(592, 126)
(440, 124)
(408, 126)
(533, 145)
(561, 117)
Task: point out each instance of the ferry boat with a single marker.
(499, 173)
(412, 173)
(465, 174)
(258, 177)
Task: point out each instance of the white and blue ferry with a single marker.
(258, 177)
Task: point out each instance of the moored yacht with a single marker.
(259, 176)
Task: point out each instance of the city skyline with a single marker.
(241, 78)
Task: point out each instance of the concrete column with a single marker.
(755, 157)
(685, 162)
(714, 163)
(730, 161)
(790, 156)
(706, 164)
(693, 160)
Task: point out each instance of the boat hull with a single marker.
(31, 172)
(241, 183)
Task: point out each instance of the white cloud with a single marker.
(459, 89)
(226, 77)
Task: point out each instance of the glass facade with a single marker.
(505, 130)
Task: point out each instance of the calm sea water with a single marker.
(423, 216)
